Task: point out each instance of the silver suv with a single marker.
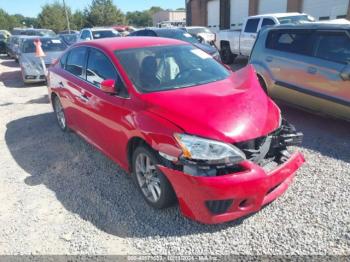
(306, 65)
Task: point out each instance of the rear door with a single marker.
(248, 36)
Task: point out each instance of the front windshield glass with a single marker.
(179, 35)
(48, 45)
(162, 68)
(295, 19)
(104, 34)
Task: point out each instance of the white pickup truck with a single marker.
(232, 43)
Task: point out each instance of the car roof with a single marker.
(156, 29)
(277, 15)
(99, 29)
(314, 26)
(122, 43)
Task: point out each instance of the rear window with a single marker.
(104, 34)
(291, 41)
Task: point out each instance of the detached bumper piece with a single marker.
(212, 197)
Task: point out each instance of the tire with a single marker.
(60, 115)
(153, 185)
(226, 55)
(262, 84)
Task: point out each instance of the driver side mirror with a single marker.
(345, 74)
(108, 86)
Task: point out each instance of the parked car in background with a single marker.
(232, 43)
(33, 32)
(307, 66)
(203, 34)
(124, 30)
(3, 43)
(94, 33)
(31, 66)
(200, 134)
(68, 32)
(14, 46)
(69, 39)
(178, 34)
(6, 33)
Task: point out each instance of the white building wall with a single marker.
(239, 12)
(326, 8)
(272, 6)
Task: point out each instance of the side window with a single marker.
(149, 33)
(63, 60)
(334, 46)
(76, 61)
(291, 41)
(252, 25)
(85, 35)
(267, 21)
(100, 68)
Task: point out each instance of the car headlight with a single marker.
(209, 151)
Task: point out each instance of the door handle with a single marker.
(312, 70)
(269, 59)
(83, 98)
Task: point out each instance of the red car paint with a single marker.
(232, 110)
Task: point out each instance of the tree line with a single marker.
(98, 13)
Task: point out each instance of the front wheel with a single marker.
(60, 116)
(151, 182)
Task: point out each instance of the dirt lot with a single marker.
(59, 195)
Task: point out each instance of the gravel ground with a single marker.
(59, 195)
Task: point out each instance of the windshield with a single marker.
(179, 35)
(69, 39)
(162, 68)
(198, 30)
(104, 34)
(295, 19)
(48, 45)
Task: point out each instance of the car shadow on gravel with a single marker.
(328, 136)
(13, 79)
(89, 184)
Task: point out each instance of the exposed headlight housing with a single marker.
(209, 151)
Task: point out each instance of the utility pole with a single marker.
(65, 9)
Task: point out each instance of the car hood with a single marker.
(232, 110)
(206, 48)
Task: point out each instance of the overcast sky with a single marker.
(33, 7)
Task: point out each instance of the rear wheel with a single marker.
(151, 182)
(227, 56)
(60, 116)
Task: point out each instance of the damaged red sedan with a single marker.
(184, 126)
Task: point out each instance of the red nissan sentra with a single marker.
(185, 127)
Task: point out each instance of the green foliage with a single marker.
(144, 18)
(103, 13)
(78, 20)
(53, 16)
(8, 22)
(138, 18)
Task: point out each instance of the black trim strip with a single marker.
(315, 94)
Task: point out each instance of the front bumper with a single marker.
(249, 190)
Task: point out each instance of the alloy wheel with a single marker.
(148, 178)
